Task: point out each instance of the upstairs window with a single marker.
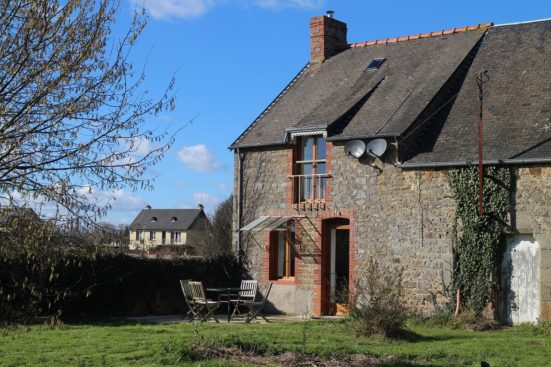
(310, 166)
(152, 235)
(139, 235)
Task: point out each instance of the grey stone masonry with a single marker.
(403, 219)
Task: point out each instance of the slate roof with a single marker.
(350, 103)
(517, 101)
(160, 219)
(412, 73)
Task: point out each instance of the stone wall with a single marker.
(402, 219)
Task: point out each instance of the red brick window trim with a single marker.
(310, 169)
(282, 254)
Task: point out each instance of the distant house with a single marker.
(21, 217)
(314, 204)
(154, 227)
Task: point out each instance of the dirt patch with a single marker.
(291, 359)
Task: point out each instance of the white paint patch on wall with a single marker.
(520, 280)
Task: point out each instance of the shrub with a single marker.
(540, 328)
(470, 319)
(439, 319)
(377, 306)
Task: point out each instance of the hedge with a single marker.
(106, 286)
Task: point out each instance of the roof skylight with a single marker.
(375, 64)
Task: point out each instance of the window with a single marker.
(375, 64)
(139, 235)
(152, 236)
(175, 237)
(173, 219)
(282, 253)
(310, 169)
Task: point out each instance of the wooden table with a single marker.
(227, 291)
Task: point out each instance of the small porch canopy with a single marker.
(268, 223)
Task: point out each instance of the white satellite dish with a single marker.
(376, 148)
(355, 148)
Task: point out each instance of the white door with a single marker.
(520, 280)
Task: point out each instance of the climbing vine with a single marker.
(478, 241)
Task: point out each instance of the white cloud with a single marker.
(120, 200)
(174, 9)
(199, 158)
(222, 186)
(124, 204)
(139, 145)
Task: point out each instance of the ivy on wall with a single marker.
(478, 241)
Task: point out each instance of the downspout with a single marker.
(241, 157)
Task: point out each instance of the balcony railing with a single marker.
(309, 190)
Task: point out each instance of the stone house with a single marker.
(309, 215)
(174, 227)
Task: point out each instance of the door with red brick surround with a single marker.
(335, 264)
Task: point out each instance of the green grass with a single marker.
(127, 344)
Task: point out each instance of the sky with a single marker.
(231, 58)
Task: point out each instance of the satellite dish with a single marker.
(355, 148)
(376, 148)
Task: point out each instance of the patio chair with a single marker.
(247, 292)
(206, 307)
(254, 307)
(190, 302)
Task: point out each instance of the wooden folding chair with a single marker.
(254, 307)
(247, 292)
(190, 302)
(206, 307)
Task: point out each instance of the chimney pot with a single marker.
(330, 13)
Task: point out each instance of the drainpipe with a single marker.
(241, 157)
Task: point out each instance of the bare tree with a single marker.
(222, 225)
(212, 238)
(72, 120)
(72, 108)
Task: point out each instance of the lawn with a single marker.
(132, 344)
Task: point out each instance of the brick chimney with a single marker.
(327, 37)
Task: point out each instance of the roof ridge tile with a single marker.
(421, 35)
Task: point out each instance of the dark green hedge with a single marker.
(114, 285)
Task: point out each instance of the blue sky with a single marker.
(232, 57)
